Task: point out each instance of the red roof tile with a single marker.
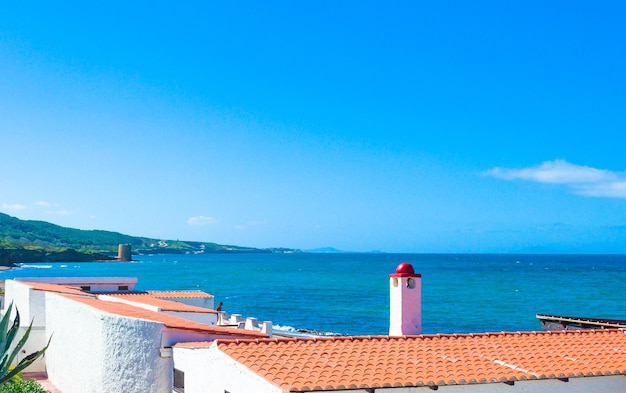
(195, 344)
(57, 288)
(371, 362)
(168, 320)
(181, 294)
(164, 305)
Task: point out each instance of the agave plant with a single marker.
(7, 338)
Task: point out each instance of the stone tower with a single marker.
(124, 253)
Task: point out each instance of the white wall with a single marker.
(37, 340)
(608, 384)
(172, 336)
(96, 352)
(97, 284)
(31, 305)
(208, 370)
(200, 317)
(110, 287)
(204, 302)
(74, 358)
(29, 302)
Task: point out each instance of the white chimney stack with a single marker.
(405, 301)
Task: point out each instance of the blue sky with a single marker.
(447, 126)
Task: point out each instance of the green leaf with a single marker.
(4, 324)
(27, 361)
(13, 331)
(20, 344)
(7, 338)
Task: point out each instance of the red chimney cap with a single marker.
(405, 269)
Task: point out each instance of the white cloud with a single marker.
(615, 189)
(583, 180)
(59, 212)
(15, 206)
(557, 171)
(202, 220)
(43, 203)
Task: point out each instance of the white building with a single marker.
(111, 342)
(408, 362)
(116, 347)
(128, 341)
(565, 361)
(91, 284)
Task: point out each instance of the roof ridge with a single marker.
(417, 337)
(171, 321)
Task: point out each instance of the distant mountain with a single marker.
(35, 241)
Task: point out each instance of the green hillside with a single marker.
(29, 241)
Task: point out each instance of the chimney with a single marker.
(405, 301)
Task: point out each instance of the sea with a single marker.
(348, 293)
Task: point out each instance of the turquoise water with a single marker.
(349, 293)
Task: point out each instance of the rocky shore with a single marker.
(9, 257)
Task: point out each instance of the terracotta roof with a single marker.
(194, 344)
(181, 294)
(372, 362)
(170, 321)
(65, 289)
(77, 281)
(164, 305)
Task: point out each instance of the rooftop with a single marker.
(170, 321)
(181, 294)
(57, 288)
(372, 362)
(77, 281)
(162, 304)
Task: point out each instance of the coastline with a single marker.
(463, 293)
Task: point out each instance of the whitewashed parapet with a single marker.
(249, 323)
(268, 328)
